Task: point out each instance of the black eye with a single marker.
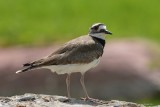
(95, 28)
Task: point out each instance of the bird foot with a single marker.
(97, 101)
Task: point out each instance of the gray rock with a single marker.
(40, 100)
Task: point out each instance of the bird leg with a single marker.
(87, 98)
(68, 85)
(83, 85)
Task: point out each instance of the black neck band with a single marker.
(101, 41)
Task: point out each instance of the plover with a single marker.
(78, 55)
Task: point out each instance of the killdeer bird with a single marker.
(77, 55)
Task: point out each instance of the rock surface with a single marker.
(39, 100)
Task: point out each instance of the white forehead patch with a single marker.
(102, 27)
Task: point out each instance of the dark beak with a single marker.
(107, 32)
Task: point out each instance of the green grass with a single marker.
(152, 101)
(39, 22)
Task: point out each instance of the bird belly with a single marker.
(71, 68)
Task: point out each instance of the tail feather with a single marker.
(27, 64)
(24, 70)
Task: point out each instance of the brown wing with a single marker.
(82, 51)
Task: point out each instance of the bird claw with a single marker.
(89, 99)
(97, 101)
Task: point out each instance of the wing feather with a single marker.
(80, 50)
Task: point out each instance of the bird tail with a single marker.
(28, 67)
(22, 70)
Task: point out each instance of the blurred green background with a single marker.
(45, 22)
(42, 22)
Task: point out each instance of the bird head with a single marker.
(98, 30)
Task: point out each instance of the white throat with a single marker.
(98, 35)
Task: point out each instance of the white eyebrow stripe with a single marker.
(102, 27)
